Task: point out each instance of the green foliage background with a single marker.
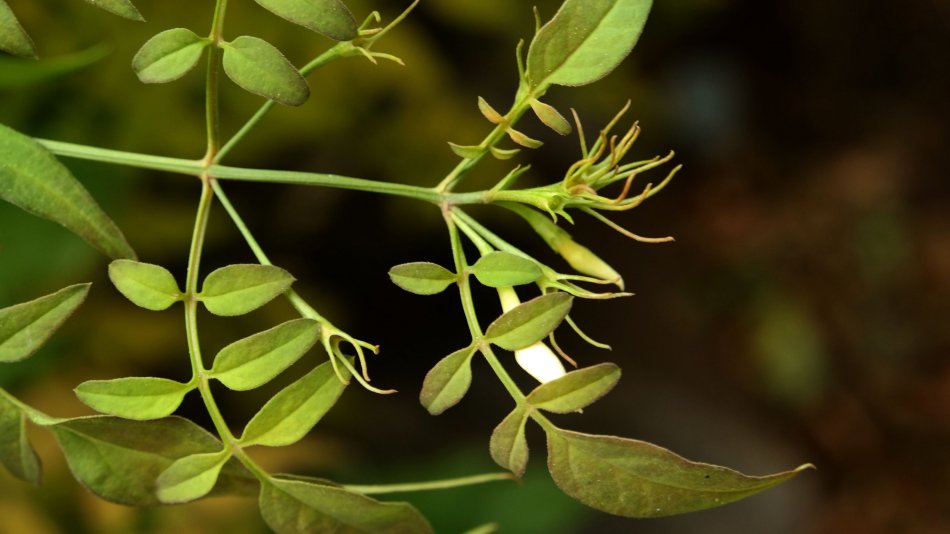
(801, 314)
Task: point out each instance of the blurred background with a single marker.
(800, 316)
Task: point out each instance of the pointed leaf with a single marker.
(259, 68)
(292, 507)
(119, 459)
(584, 41)
(508, 446)
(529, 322)
(25, 327)
(122, 8)
(13, 38)
(16, 454)
(489, 112)
(523, 139)
(575, 390)
(242, 288)
(191, 477)
(168, 55)
(503, 154)
(638, 479)
(551, 117)
(150, 286)
(289, 415)
(422, 278)
(253, 361)
(327, 17)
(447, 382)
(34, 180)
(140, 398)
(503, 269)
(466, 151)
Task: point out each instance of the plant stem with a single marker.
(128, 159)
(212, 116)
(429, 485)
(34, 415)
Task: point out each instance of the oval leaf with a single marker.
(638, 479)
(422, 278)
(119, 459)
(259, 68)
(242, 288)
(13, 38)
(16, 453)
(529, 322)
(575, 390)
(150, 286)
(122, 8)
(326, 17)
(447, 382)
(34, 180)
(289, 415)
(584, 41)
(255, 360)
(551, 117)
(168, 55)
(25, 327)
(508, 446)
(140, 398)
(191, 477)
(294, 506)
(503, 269)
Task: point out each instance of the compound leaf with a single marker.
(242, 288)
(422, 277)
(253, 361)
(32, 179)
(295, 506)
(150, 286)
(13, 38)
(289, 415)
(327, 17)
(191, 477)
(139, 398)
(25, 327)
(168, 55)
(122, 8)
(447, 382)
(575, 390)
(508, 446)
(259, 68)
(584, 41)
(503, 269)
(638, 479)
(16, 453)
(529, 322)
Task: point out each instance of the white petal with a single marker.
(540, 362)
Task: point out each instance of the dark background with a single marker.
(800, 316)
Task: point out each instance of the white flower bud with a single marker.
(540, 362)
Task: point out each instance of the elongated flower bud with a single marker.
(538, 360)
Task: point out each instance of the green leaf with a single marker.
(326, 17)
(523, 139)
(575, 390)
(503, 269)
(16, 454)
(529, 322)
(25, 327)
(119, 459)
(122, 8)
(150, 286)
(242, 288)
(584, 41)
(13, 38)
(168, 55)
(140, 398)
(447, 382)
(32, 179)
(503, 154)
(16, 72)
(191, 477)
(255, 360)
(422, 278)
(638, 479)
(551, 117)
(292, 507)
(259, 68)
(466, 151)
(508, 446)
(289, 415)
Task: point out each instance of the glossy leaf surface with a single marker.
(140, 398)
(529, 322)
(326, 17)
(254, 361)
(503, 269)
(575, 390)
(25, 327)
(150, 286)
(240, 289)
(32, 179)
(448, 381)
(508, 446)
(422, 278)
(168, 55)
(259, 68)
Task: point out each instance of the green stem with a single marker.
(34, 415)
(429, 485)
(128, 159)
(212, 117)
